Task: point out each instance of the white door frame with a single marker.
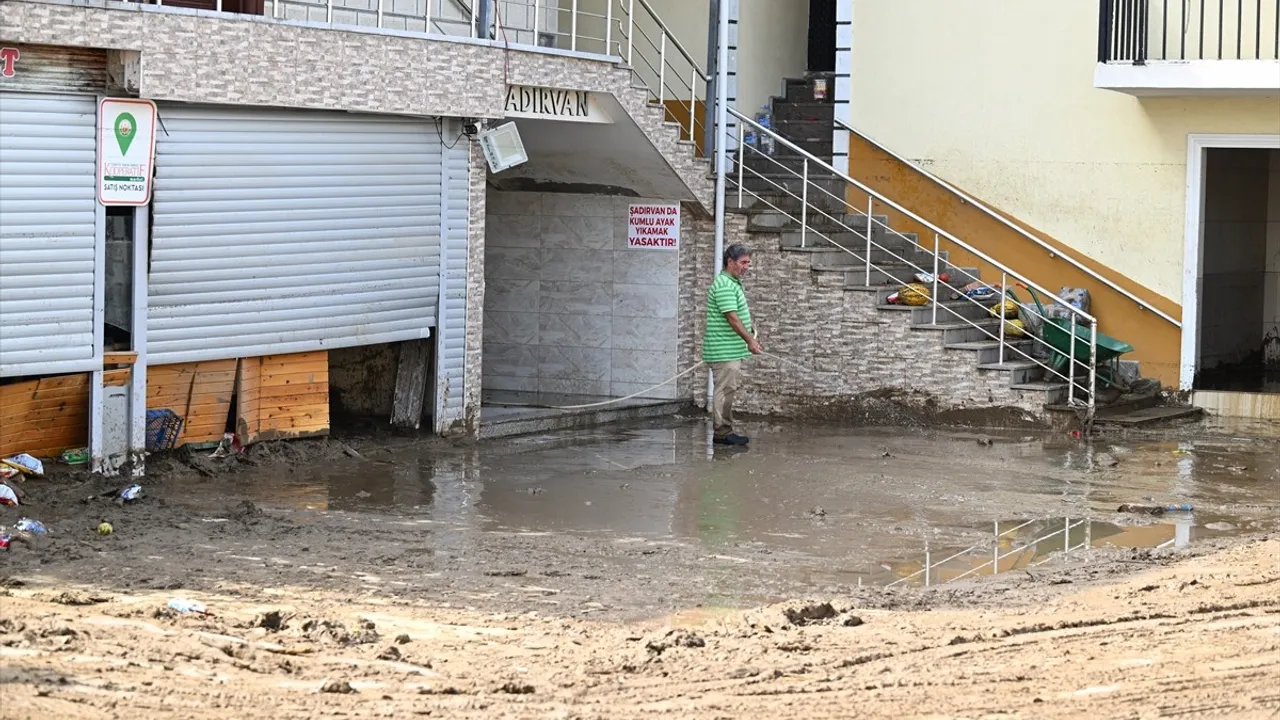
(1193, 245)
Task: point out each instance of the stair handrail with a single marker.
(1053, 251)
(627, 7)
(809, 158)
(993, 544)
(877, 195)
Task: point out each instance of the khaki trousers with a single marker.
(727, 377)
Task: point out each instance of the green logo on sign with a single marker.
(126, 128)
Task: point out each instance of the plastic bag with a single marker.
(26, 464)
(915, 294)
(1077, 298)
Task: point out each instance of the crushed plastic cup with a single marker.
(25, 464)
(35, 527)
(5, 541)
(131, 493)
(7, 495)
(184, 605)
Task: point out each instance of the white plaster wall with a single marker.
(569, 308)
(773, 41)
(1235, 255)
(997, 97)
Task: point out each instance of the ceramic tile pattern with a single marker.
(570, 308)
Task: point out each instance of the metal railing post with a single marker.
(937, 247)
(428, 18)
(631, 30)
(573, 26)
(662, 71)
(1071, 358)
(1066, 536)
(742, 158)
(1088, 534)
(870, 206)
(328, 11)
(995, 551)
(693, 106)
(379, 14)
(608, 27)
(218, 6)
(1093, 366)
(1004, 297)
(497, 19)
(537, 10)
(804, 201)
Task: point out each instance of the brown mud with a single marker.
(611, 574)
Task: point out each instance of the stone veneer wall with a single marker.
(474, 353)
(569, 307)
(851, 356)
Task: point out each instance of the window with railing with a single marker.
(1137, 31)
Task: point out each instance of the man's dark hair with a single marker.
(736, 251)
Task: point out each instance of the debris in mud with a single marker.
(447, 690)
(884, 453)
(514, 688)
(808, 614)
(341, 687)
(506, 573)
(1106, 460)
(183, 605)
(392, 653)
(795, 647)
(274, 621)
(817, 512)
(675, 638)
(78, 599)
(1152, 509)
(245, 509)
(363, 494)
(1220, 526)
(986, 442)
(336, 632)
(402, 639)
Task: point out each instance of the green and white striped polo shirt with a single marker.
(721, 343)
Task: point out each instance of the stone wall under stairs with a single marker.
(852, 350)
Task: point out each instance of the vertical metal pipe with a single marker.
(608, 27)
(722, 120)
(497, 18)
(573, 26)
(1221, 29)
(1201, 22)
(804, 201)
(870, 207)
(928, 560)
(1164, 31)
(1066, 536)
(1004, 296)
(1088, 534)
(937, 248)
(427, 28)
(379, 13)
(328, 11)
(1257, 26)
(218, 6)
(693, 105)
(1239, 29)
(537, 10)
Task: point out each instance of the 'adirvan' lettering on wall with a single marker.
(554, 104)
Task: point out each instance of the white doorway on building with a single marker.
(1231, 274)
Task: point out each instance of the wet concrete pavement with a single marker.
(837, 506)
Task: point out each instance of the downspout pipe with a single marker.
(721, 127)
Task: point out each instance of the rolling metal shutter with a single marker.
(451, 336)
(281, 231)
(49, 221)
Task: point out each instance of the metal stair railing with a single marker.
(808, 212)
(992, 546)
(987, 210)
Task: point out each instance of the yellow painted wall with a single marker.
(997, 97)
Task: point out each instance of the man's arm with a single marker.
(735, 322)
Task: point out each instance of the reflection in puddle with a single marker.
(847, 505)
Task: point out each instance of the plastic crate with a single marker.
(163, 426)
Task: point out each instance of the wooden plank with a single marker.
(116, 378)
(49, 383)
(201, 393)
(282, 396)
(46, 416)
(248, 376)
(411, 384)
(119, 358)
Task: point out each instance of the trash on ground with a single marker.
(76, 456)
(5, 541)
(131, 493)
(8, 471)
(35, 527)
(184, 605)
(975, 291)
(1152, 509)
(927, 278)
(163, 426)
(7, 495)
(25, 464)
(227, 447)
(105, 528)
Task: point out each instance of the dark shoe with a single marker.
(732, 439)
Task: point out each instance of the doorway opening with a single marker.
(1231, 304)
(822, 36)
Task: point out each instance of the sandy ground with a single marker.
(1199, 638)
(566, 582)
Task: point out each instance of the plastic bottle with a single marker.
(35, 527)
(184, 605)
(765, 119)
(131, 493)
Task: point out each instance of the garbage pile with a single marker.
(14, 471)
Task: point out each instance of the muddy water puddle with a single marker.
(840, 505)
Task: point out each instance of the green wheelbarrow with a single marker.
(1058, 334)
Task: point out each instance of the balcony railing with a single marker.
(1137, 31)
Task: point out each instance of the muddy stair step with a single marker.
(806, 90)
(1147, 416)
(784, 181)
(1020, 372)
(785, 160)
(772, 222)
(960, 331)
(803, 128)
(1054, 392)
(947, 311)
(810, 111)
(895, 275)
(988, 351)
(824, 256)
(856, 241)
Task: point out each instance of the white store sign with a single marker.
(653, 227)
(126, 146)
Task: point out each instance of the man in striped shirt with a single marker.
(729, 338)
